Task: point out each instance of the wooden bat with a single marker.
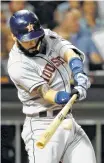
(48, 133)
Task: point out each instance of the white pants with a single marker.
(68, 146)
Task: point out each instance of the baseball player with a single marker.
(41, 65)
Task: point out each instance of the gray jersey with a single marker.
(28, 73)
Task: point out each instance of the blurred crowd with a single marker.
(80, 22)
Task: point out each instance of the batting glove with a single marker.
(83, 83)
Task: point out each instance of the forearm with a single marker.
(69, 55)
(53, 96)
(74, 61)
(48, 94)
(82, 82)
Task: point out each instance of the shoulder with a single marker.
(18, 69)
(18, 64)
(15, 71)
(50, 34)
(14, 56)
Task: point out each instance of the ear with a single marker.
(14, 38)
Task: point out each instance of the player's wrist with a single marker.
(50, 95)
(76, 66)
(62, 97)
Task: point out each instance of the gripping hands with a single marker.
(83, 83)
(62, 97)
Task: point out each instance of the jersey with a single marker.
(27, 73)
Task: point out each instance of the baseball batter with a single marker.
(41, 65)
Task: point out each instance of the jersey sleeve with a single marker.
(62, 45)
(25, 76)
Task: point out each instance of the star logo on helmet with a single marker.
(30, 27)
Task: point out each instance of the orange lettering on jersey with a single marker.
(47, 72)
(46, 75)
(49, 68)
(57, 61)
(61, 60)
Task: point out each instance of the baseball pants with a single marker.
(68, 146)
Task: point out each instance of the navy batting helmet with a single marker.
(25, 26)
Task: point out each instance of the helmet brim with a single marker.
(31, 35)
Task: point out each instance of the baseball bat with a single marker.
(48, 133)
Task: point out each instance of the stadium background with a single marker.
(88, 113)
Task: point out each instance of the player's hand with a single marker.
(80, 91)
(83, 83)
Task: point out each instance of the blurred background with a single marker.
(80, 22)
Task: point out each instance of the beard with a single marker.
(30, 52)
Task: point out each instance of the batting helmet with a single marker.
(25, 26)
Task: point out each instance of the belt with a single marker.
(44, 114)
